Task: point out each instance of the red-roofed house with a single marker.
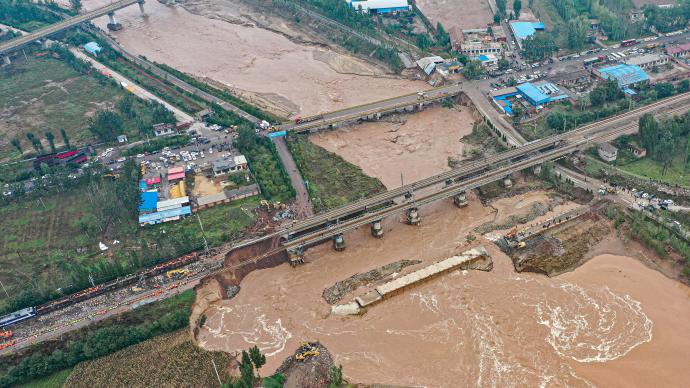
(679, 50)
(175, 173)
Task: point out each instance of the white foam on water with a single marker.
(594, 328)
(270, 336)
(427, 300)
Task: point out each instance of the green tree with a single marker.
(497, 18)
(35, 142)
(517, 6)
(107, 125)
(538, 47)
(577, 33)
(65, 138)
(336, 377)
(17, 144)
(51, 140)
(501, 5)
(683, 86)
(663, 89)
(648, 129)
(257, 358)
(503, 64)
(442, 36)
(517, 114)
(423, 41)
(473, 70)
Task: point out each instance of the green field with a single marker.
(44, 94)
(46, 242)
(56, 380)
(333, 181)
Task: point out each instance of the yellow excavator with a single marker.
(177, 273)
(308, 349)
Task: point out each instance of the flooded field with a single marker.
(416, 145)
(274, 67)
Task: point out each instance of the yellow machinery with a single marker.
(521, 244)
(177, 273)
(308, 349)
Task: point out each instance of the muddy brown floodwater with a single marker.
(417, 145)
(221, 42)
(612, 322)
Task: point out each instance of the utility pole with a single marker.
(3, 288)
(203, 234)
(216, 370)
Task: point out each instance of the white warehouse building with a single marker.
(380, 6)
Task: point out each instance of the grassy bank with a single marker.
(333, 181)
(42, 94)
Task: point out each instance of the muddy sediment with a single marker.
(221, 42)
(312, 372)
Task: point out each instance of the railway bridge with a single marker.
(455, 183)
(41, 34)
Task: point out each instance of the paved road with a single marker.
(303, 206)
(138, 91)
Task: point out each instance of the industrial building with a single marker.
(228, 166)
(428, 64)
(627, 76)
(524, 29)
(163, 211)
(163, 129)
(226, 196)
(175, 173)
(647, 60)
(380, 7)
(530, 96)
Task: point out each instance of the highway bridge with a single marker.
(466, 177)
(109, 10)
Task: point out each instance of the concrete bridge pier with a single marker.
(413, 217)
(296, 256)
(537, 169)
(507, 182)
(460, 200)
(377, 229)
(141, 8)
(113, 25)
(339, 242)
(6, 60)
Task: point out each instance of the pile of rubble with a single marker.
(309, 367)
(336, 292)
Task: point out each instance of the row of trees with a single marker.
(25, 14)
(502, 11)
(606, 100)
(538, 47)
(265, 164)
(666, 139)
(36, 142)
(668, 19)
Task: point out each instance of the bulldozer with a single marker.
(177, 273)
(307, 349)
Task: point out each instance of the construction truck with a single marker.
(307, 349)
(177, 273)
(513, 239)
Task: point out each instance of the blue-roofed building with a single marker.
(164, 216)
(375, 7)
(626, 75)
(541, 93)
(148, 201)
(142, 185)
(521, 30)
(92, 48)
